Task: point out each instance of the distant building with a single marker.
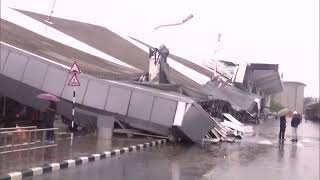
(292, 96)
(308, 101)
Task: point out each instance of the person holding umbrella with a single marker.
(283, 126)
(282, 114)
(49, 114)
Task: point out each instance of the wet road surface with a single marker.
(258, 156)
(81, 146)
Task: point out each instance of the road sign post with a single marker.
(74, 81)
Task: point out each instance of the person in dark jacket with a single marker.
(296, 120)
(49, 116)
(283, 126)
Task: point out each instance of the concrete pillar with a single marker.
(105, 126)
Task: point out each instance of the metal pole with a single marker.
(49, 18)
(73, 111)
(175, 24)
(73, 106)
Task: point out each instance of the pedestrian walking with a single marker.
(296, 120)
(283, 126)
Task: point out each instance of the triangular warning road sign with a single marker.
(74, 81)
(75, 69)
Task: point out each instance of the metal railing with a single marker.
(15, 128)
(24, 139)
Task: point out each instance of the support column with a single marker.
(105, 126)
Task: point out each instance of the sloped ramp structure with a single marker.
(23, 75)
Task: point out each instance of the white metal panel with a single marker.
(35, 73)
(188, 72)
(80, 90)
(96, 94)
(140, 105)
(181, 109)
(239, 77)
(163, 111)
(233, 126)
(15, 66)
(4, 55)
(118, 100)
(232, 119)
(55, 80)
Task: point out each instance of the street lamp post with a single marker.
(158, 66)
(49, 18)
(175, 24)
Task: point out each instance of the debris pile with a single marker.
(229, 128)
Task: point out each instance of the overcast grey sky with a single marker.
(285, 32)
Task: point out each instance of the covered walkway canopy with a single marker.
(266, 78)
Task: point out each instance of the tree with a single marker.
(275, 107)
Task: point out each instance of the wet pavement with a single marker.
(81, 146)
(257, 156)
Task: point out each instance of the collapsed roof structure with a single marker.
(123, 63)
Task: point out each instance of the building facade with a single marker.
(292, 96)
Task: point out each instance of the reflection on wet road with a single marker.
(248, 159)
(224, 161)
